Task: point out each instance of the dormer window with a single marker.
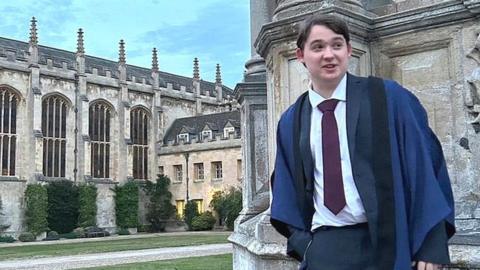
(206, 135)
(183, 137)
(227, 131)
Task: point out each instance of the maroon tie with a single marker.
(334, 197)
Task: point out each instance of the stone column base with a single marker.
(256, 245)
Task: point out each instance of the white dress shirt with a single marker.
(354, 212)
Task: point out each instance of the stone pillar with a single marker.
(125, 155)
(256, 244)
(82, 107)
(156, 109)
(34, 103)
(218, 84)
(196, 87)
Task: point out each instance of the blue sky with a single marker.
(215, 31)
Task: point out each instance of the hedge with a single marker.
(126, 205)
(87, 211)
(36, 200)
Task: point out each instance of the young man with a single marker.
(360, 180)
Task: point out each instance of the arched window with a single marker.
(54, 123)
(8, 130)
(99, 131)
(139, 133)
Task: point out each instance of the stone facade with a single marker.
(33, 73)
(431, 47)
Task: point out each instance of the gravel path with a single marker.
(113, 258)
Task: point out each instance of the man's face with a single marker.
(325, 55)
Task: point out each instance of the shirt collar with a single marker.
(339, 93)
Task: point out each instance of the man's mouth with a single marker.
(329, 66)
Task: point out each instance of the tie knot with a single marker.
(328, 105)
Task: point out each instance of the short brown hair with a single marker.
(331, 22)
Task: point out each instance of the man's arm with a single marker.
(434, 250)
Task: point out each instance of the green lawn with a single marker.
(216, 262)
(36, 251)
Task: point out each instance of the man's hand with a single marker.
(426, 266)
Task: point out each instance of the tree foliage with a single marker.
(126, 205)
(227, 205)
(87, 212)
(63, 206)
(191, 211)
(203, 222)
(36, 212)
(159, 209)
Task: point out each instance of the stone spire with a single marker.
(154, 60)
(33, 32)
(218, 77)
(196, 69)
(80, 46)
(121, 53)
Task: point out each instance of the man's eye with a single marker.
(337, 45)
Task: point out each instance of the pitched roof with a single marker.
(195, 124)
(58, 56)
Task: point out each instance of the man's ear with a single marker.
(299, 54)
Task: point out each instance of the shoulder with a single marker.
(288, 115)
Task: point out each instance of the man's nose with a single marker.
(328, 52)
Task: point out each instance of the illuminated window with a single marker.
(199, 203)
(180, 207)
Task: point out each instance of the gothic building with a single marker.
(67, 115)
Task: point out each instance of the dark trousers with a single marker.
(341, 248)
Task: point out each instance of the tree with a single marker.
(159, 209)
(191, 211)
(218, 204)
(227, 205)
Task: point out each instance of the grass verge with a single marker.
(37, 251)
(215, 262)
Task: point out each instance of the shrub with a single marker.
(203, 222)
(159, 209)
(227, 205)
(87, 211)
(233, 203)
(52, 235)
(123, 231)
(62, 206)
(79, 232)
(6, 239)
(126, 205)
(36, 200)
(191, 211)
(70, 235)
(26, 237)
(144, 228)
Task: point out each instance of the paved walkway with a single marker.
(113, 258)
